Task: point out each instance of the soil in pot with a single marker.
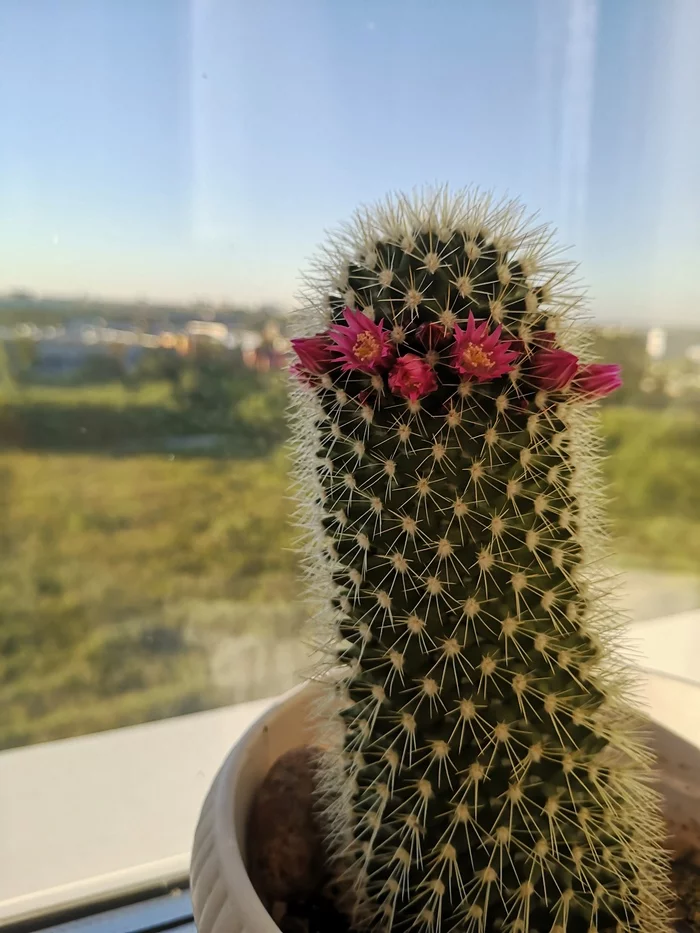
(686, 884)
(316, 914)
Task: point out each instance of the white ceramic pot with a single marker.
(222, 895)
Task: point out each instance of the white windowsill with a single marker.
(107, 814)
(111, 813)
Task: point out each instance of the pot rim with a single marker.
(218, 871)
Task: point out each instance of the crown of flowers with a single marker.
(432, 356)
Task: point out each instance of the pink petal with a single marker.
(597, 380)
(553, 369)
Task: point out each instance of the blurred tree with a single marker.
(160, 363)
(100, 368)
(7, 381)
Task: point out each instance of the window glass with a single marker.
(166, 168)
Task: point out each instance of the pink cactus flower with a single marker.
(314, 353)
(597, 380)
(553, 369)
(433, 336)
(363, 344)
(412, 378)
(480, 356)
(298, 371)
(517, 345)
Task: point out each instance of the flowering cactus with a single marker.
(484, 770)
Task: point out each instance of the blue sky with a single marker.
(188, 149)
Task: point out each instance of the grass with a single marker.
(104, 563)
(653, 470)
(113, 394)
(120, 575)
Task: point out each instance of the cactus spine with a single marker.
(487, 772)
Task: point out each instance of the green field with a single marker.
(108, 562)
(120, 570)
(653, 470)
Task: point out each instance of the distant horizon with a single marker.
(196, 150)
(280, 307)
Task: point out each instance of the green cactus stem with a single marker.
(488, 772)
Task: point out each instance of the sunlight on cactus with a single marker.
(485, 768)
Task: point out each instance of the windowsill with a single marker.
(112, 813)
(107, 814)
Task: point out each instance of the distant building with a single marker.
(678, 339)
(249, 340)
(656, 343)
(214, 330)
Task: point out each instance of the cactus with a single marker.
(486, 770)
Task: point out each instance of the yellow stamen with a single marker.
(366, 347)
(476, 356)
